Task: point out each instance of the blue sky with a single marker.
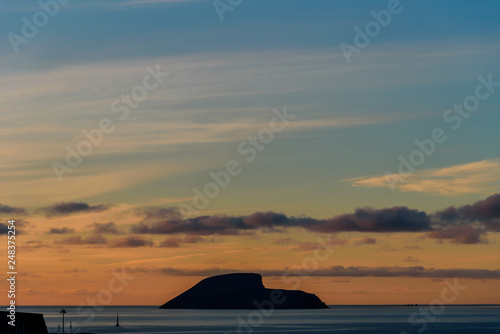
(353, 120)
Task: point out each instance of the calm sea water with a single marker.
(454, 319)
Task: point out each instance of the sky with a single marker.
(344, 148)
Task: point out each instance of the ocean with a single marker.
(452, 319)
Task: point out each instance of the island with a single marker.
(241, 291)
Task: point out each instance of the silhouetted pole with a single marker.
(63, 311)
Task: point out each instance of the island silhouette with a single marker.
(241, 291)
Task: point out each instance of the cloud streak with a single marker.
(340, 271)
(62, 230)
(19, 225)
(78, 240)
(481, 177)
(105, 228)
(130, 241)
(397, 219)
(5, 209)
(486, 211)
(468, 224)
(174, 242)
(459, 234)
(68, 208)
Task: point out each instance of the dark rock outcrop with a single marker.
(241, 291)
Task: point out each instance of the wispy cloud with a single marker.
(106, 228)
(130, 241)
(459, 234)
(410, 259)
(67, 208)
(178, 121)
(481, 177)
(62, 230)
(6, 209)
(397, 219)
(78, 240)
(365, 241)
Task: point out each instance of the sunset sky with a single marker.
(154, 138)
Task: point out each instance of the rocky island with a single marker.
(241, 291)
